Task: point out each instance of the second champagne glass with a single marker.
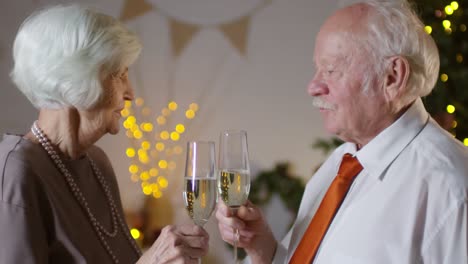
(234, 173)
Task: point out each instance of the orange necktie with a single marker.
(307, 248)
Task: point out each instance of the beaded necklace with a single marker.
(78, 194)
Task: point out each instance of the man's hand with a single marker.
(254, 234)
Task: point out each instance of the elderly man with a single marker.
(396, 191)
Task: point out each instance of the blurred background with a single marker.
(211, 65)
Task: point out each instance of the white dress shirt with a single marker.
(407, 206)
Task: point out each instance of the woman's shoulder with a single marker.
(19, 184)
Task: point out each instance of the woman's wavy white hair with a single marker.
(394, 29)
(62, 54)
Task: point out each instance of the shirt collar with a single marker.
(380, 152)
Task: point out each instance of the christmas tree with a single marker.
(446, 22)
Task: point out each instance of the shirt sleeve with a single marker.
(450, 242)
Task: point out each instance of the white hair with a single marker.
(394, 29)
(62, 53)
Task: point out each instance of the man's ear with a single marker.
(396, 78)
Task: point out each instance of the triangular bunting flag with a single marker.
(181, 34)
(236, 32)
(134, 8)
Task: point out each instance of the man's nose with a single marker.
(317, 88)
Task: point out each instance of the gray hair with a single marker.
(62, 53)
(395, 30)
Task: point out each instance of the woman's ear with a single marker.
(396, 78)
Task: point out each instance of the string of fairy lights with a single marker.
(447, 11)
(154, 147)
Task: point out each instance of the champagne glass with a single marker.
(234, 173)
(200, 181)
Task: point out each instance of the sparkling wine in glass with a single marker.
(199, 191)
(234, 173)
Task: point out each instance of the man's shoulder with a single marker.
(441, 159)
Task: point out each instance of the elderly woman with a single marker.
(59, 196)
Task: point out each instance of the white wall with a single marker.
(263, 92)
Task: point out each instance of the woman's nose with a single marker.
(129, 94)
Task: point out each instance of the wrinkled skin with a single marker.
(177, 244)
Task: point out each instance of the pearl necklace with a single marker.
(98, 227)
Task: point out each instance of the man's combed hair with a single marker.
(396, 30)
(61, 55)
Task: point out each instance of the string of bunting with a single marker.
(236, 31)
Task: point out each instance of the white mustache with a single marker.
(320, 103)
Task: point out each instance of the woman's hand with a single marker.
(255, 235)
(177, 244)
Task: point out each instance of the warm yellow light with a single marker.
(127, 124)
(448, 31)
(465, 141)
(454, 5)
(459, 58)
(178, 150)
(128, 104)
(175, 136)
(133, 169)
(141, 152)
(160, 146)
(463, 27)
(165, 112)
(139, 101)
(172, 106)
(153, 172)
(180, 128)
(450, 109)
(137, 134)
(125, 112)
(144, 176)
(147, 190)
(154, 187)
(146, 111)
(193, 106)
(161, 120)
(164, 135)
(148, 127)
(190, 114)
(130, 152)
(145, 145)
(157, 194)
(428, 29)
(144, 159)
(444, 77)
(162, 164)
(162, 182)
(134, 127)
(454, 124)
(449, 10)
(135, 233)
(135, 178)
(131, 119)
(446, 23)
